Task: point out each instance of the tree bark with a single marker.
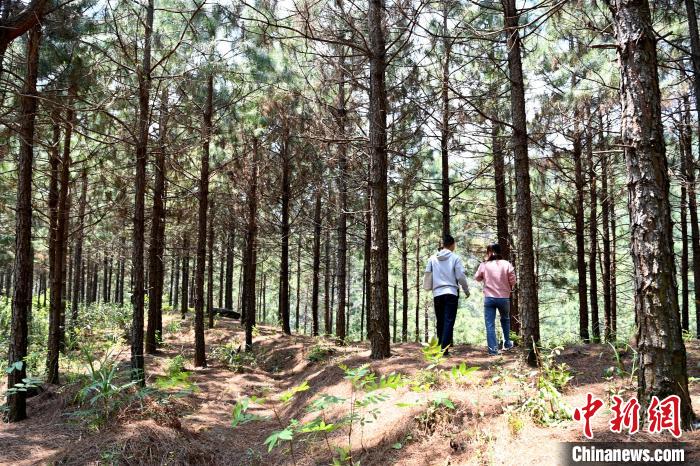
(662, 355)
(342, 184)
(200, 357)
(137, 296)
(418, 280)
(580, 233)
(404, 268)
(593, 234)
(230, 245)
(184, 300)
(692, 209)
(684, 240)
(502, 216)
(528, 304)
(284, 233)
(210, 268)
(156, 264)
(316, 262)
(249, 262)
(22, 296)
(445, 123)
(298, 287)
(607, 260)
(378, 329)
(58, 302)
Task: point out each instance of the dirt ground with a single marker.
(196, 429)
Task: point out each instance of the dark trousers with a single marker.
(445, 316)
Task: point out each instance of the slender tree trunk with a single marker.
(378, 329)
(393, 334)
(210, 268)
(342, 184)
(316, 262)
(528, 304)
(404, 270)
(222, 268)
(298, 289)
(685, 305)
(184, 300)
(284, 233)
(692, 210)
(368, 248)
(607, 261)
(137, 297)
(200, 357)
(249, 262)
(58, 302)
(418, 280)
(176, 285)
(445, 122)
(580, 232)
(156, 265)
(171, 286)
(22, 297)
(327, 284)
(662, 355)
(593, 234)
(52, 349)
(230, 245)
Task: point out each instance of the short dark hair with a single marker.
(447, 240)
(494, 251)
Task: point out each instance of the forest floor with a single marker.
(484, 421)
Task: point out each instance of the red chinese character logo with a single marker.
(626, 415)
(587, 412)
(665, 415)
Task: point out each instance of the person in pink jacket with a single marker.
(498, 277)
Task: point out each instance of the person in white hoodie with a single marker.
(444, 274)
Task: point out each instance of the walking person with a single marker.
(444, 274)
(498, 277)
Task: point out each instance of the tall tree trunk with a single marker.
(327, 303)
(342, 184)
(57, 311)
(222, 268)
(580, 232)
(607, 260)
(593, 233)
(445, 122)
(176, 285)
(418, 281)
(662, 355)
(200, 357)
(137, 297)
(316, 262)
(230, 245)
(378, 310)
(298, 287)
(692, 209)
(393, 333)
(249, 262)
(22, 297)
(404, 269)
(685, 305)
(156, 260)
(184, 299)
(284, 233)
(210, 268)
(171, 287)
(368, 249)
(528, 304)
